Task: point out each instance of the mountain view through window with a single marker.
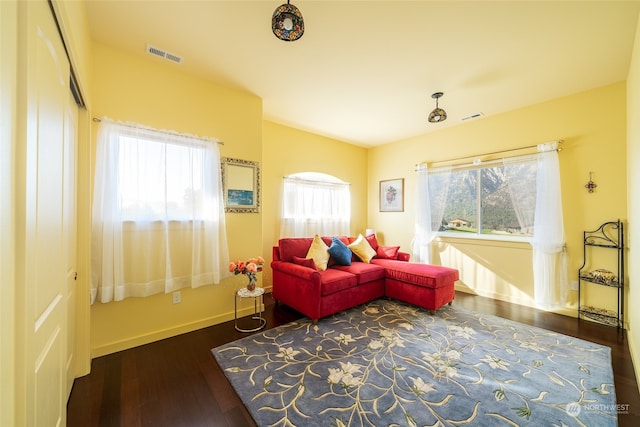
(479, 202)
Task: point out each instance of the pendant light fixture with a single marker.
(287, 23)
(438, 114)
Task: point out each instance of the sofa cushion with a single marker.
(373, 241)
(344, 239)
(310, 263)
(340, 252)
(387, 252)
(364, 272)
(319, 252)
(362, 249)
(430, 276)
(294, 246)
(333, 280)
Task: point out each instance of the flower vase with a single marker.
(251, 286)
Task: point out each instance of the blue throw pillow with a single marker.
(340, 252)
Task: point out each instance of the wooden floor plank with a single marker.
(177, 382)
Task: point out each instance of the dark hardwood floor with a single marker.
(177, 382)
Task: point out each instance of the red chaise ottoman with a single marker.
(427, 286)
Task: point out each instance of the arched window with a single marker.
(315, 203)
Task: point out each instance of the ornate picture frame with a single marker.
(240, 185)
(392, 195)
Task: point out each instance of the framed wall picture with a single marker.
(392, 195)
(240, 185)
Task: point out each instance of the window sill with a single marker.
(485, 240)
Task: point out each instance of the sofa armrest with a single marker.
(275, 253)
(298, 287)
(404, 256)
(304, 273)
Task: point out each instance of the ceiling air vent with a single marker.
(152, 50)
(472, 116)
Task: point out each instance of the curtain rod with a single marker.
(489, 154)
(98, 120)
(315, 181)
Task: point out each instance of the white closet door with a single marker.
(41, 258)
(69, 235)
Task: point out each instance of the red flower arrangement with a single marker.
(249, 268)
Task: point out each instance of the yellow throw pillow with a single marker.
(319, 253)
(362, 249)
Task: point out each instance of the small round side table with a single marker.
(257, 295)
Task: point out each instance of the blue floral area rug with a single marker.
(390, 364)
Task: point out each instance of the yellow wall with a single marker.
(633, 185)
(287, 151)
(496, 269)
(592, 125)
(156, 93)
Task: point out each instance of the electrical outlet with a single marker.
(177, 297)
(574, 285)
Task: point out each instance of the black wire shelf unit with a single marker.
(609, 236)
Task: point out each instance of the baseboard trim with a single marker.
(115, 346)
(565, 311)
(493, 295)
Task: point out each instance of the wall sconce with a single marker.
(590, 186)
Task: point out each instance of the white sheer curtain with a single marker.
(314, 203)
(549, 257)
(158, 217)
(432, 189)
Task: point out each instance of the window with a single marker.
(161, 180)
(158, 215)
(445, 197)
(480, 201)
(315, 203)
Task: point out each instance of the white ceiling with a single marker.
(364, 71)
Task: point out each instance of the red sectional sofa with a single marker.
(318, 294)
